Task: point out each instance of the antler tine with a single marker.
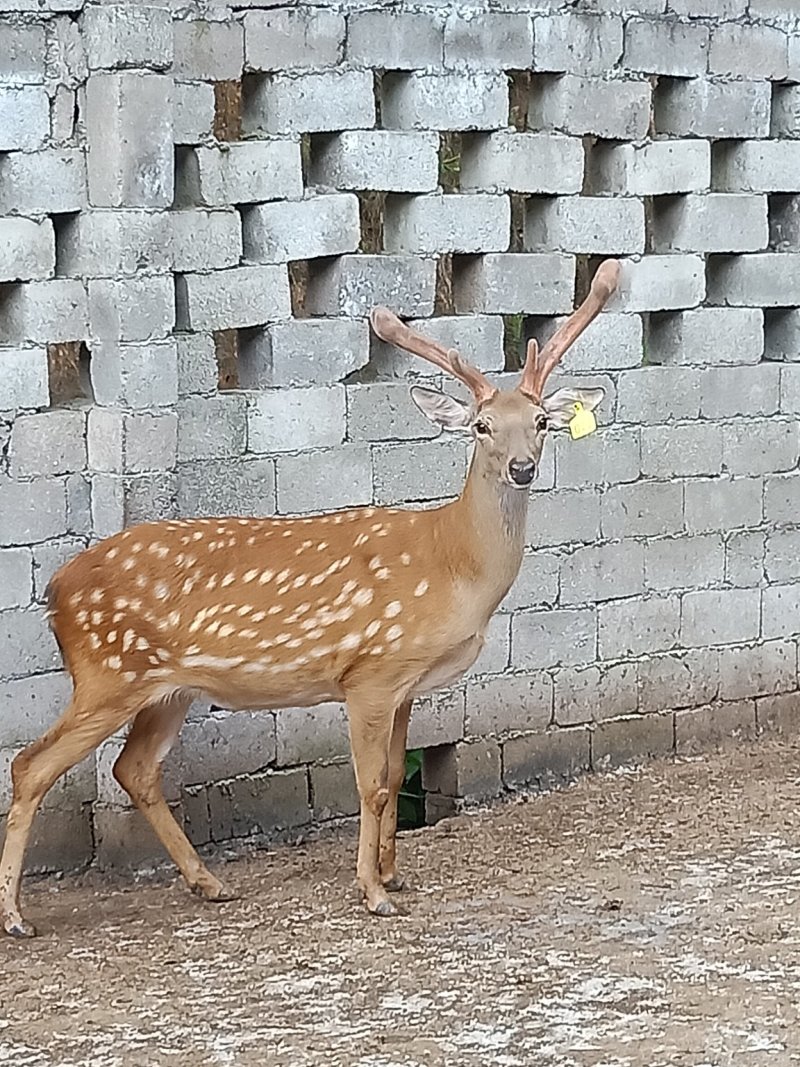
(539, 365)
(389, 328)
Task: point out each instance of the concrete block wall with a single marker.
(198, 206)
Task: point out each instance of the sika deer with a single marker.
(372, 606)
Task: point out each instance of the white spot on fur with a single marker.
(392, 609)
(422, 588)
(372, 628)
(394, 633)
(114, 662)
(250, 576)
(405, 559)
(363, 597)
(161, 591)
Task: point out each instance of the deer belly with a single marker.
(451, 666)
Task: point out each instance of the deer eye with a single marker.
(482, 428)
(541, 423)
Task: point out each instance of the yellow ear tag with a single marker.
(582, 422)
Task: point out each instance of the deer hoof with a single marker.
(384, 908)
(396, 884)
(213, 891)
(19, 928)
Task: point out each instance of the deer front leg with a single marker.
(397, 763)
(370, 733)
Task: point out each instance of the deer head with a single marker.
(509, 426)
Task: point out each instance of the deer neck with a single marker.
(486, 533)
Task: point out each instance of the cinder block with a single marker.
(240, 173)
(233, 298)
(192, 112)
(642, 509)
(302, 229)
(78, 505)
(40, 183)
(612, 343)
(22, 54)
(394, 40)
(784, 224)
(730, 391)
(545, 760)
(748, 51)
(27, 249)
(43, 312)
(472, 222)
(479, 335)
(37, 701)
(437, 719)
(714, 222)
(333, 790)
(678, 49)
(61, 840)
(16, 577)
(536, 585)
(702, 729)
(587, 224)
(781, 559)
(543, 639)
(697, 107)
(488, 41)
(779, 607)
(681, 451)
(313, 103)
(24, 118)
(758, 166)
(720, 616)
(226, 487)
(342, 478)
(496, 652)
(208, 51)
(582, 106)
(790, 390)
(521, 163)
(211, 427)
(421, 471)
(206, 240)
(590, 694)
(129, 134)
(118, 36)
(263, 803)
(120, 442)
(106, 244)
(352, 285)
(197, 369)
(48, 557)
(293, 39)
(722, 503)
(777, 716)
(760, 446)
(306, 735)
(707, 335)
(383, 411)
(678, 679)
(26, 644)
(782, 336)
(136, 309)
(744, 558)
(658, 168)
(391, 160)
(631, 740)
(474, 101)
(51, 442)
(659, 394)
(786, 112)
(514, 282)
(614, 456)
(595, 573)
(684, 562)
(288, 420)
(135, 375)
(563, 517)
(657, 283)
(65, 58)
(638, 626)
(309, 351)
(576, 43)
(464, 770)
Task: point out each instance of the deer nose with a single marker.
(521, 471)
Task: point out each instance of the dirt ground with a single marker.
(642, 918)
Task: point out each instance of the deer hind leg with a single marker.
(82, 727)
(370, 733)
(397, 763)
(138, 771)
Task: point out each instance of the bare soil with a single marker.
(647, 917)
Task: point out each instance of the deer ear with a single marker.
(560, 406)
(444, 410)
